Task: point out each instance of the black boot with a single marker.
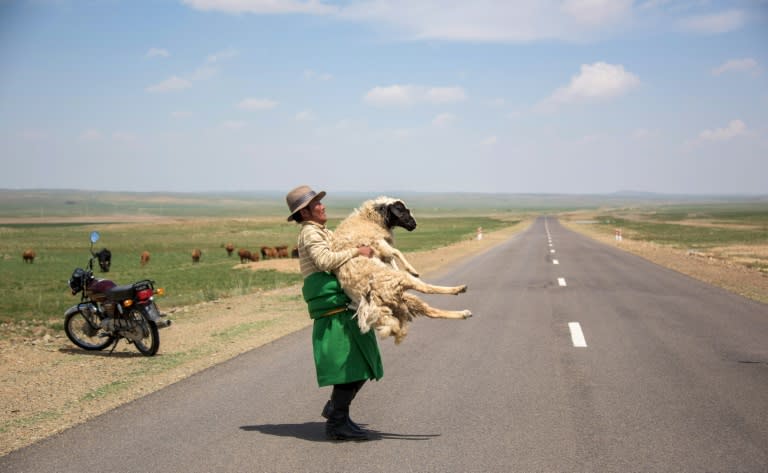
(355, 388)
(327, 413)
(338, 427)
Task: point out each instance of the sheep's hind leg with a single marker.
(418, 307)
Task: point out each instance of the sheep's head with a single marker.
(395, 213)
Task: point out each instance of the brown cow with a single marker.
(28, 256)
(196, 253)
(144, 257)
(230, 248)
(268, 252)
(282, 251)
(246, 255)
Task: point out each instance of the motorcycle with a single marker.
(108, 312)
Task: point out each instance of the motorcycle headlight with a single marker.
(78, 280)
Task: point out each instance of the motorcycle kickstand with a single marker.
(114, 345)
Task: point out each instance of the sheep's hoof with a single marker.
(467, 314)
(461, 289)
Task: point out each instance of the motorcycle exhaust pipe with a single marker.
(164, 323)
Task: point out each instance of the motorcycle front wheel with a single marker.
(85, 334)
(145, 335)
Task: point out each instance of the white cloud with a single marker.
(398, 95)
(262, 6)
(489, 141)
(181, 114)
(452, 20)
(587, 140)
(438, 95)
(406, 95)
(312, 75)
(444, 119)
(715, 23)
(596, 12)
(90, 135)
(157, 52)
(204, 72)
(170, 84)
(233, 125)
(642, 134)
(224, 54)
(257, 104)
(305, 116)
(124, 137)
(598, 81)
(736, 65)
(735, 128)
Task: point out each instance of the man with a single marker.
(344, 357)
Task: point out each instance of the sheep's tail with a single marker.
(367, 312)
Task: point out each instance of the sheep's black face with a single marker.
(398, 215)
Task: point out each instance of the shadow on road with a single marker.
(105, 352)
(315, 432)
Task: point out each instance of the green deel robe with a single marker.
(342, 353)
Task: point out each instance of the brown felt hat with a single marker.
(300, 197)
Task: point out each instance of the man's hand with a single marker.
(365, 251)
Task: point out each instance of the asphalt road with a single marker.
(673, 377)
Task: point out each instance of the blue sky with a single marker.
(529, 96)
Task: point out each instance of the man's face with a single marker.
(317, 212)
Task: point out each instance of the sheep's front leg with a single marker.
(406, 265)
(417, 284)
(391, 254)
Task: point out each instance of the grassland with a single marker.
(57, 224)
(697, 227)
(38, 294)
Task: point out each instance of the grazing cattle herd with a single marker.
(267, 252)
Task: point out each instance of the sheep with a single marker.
(144, 258)
(378, 285)
(246, 255)
(230, 248)
(196, 253)
(105, 259)
(28, 256)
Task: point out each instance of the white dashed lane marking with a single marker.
(554, 261)
(561, 282)
(577, 335)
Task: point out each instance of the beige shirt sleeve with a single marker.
(315, 252)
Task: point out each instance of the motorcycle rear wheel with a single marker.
(149, 342)
(85, 334)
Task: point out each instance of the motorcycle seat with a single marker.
(119, 293)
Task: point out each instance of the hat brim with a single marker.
(317, 196)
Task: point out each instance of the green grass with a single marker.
(39, 292)
(750, 213)
(692, 236)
